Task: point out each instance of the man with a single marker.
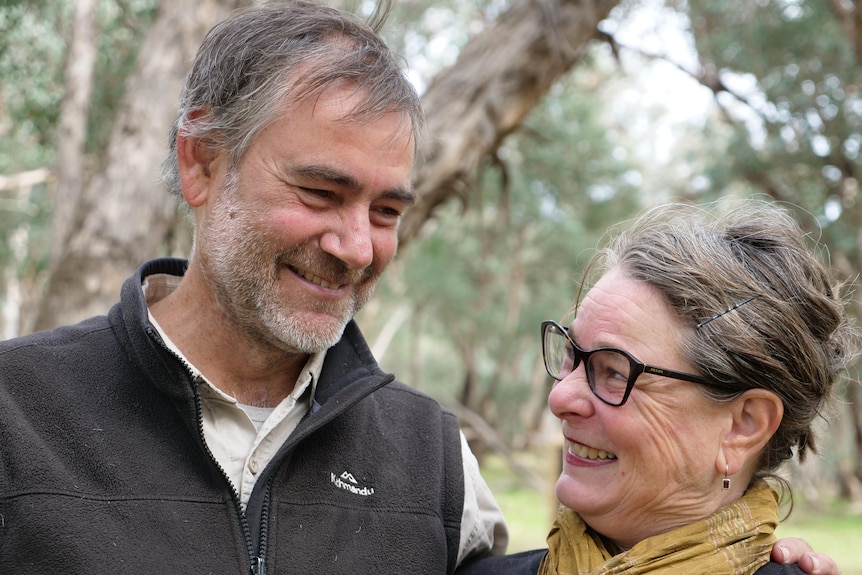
(227, 416)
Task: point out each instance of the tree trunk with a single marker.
(122, 217)
(73, 123)
(498, 78)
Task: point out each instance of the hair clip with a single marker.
(728, 310)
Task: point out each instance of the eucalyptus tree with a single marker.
(787, 79)
(63, 68)
(121, 215)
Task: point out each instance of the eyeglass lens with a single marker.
(608, 371)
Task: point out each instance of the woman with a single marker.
(670, 469)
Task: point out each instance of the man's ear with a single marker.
(756, 415)
(197, 161)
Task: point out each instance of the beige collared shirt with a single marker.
(243, 439)
(241, 445)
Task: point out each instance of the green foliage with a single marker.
(34, 39)
(31, 65)
(528, 511)
(122, 25)
(33, 45)
(24, 224)
(803, 145)
(430, 36)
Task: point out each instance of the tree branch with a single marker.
(497, 80)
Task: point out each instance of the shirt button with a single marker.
(253, 466)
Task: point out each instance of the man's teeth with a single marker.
(589, 452)
(318, 280)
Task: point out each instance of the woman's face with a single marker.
(652, 464)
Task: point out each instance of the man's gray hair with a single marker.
(250, 64)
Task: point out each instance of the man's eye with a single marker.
(316, 197)
(386, 216)
(389, 211)
(316, 192)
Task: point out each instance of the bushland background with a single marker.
(549, 121)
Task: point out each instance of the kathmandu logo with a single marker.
(347, 482)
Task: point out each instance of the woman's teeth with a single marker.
(589, 453)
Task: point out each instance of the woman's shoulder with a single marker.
(523, 563)
(773, 568)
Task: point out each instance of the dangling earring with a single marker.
(725, 483)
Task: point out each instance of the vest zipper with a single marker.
(257, 563)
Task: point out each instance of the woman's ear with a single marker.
(197, 161)
(756, 414)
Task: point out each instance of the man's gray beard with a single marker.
(256, 307)
(294, 331)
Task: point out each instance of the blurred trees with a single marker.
(36, 42)
(114, 218)
(542, 133)
(788, 81)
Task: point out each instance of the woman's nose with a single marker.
(572, 395)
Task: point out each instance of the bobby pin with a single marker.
(728, 310)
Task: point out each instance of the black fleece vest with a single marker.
(103, 468)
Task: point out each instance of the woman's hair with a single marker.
(250, 63)
(759, 309)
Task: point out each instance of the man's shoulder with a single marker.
(399, 387)
(523, 563)
(411, 396)
(49, 341)
(773, 568)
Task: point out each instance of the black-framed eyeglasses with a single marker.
(611, 372)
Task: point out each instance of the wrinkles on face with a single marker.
(640, 309)
(665, 437)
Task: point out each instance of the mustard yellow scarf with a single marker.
(735, 540)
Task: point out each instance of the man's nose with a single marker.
(351, 241)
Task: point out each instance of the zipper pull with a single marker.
(258, 566)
